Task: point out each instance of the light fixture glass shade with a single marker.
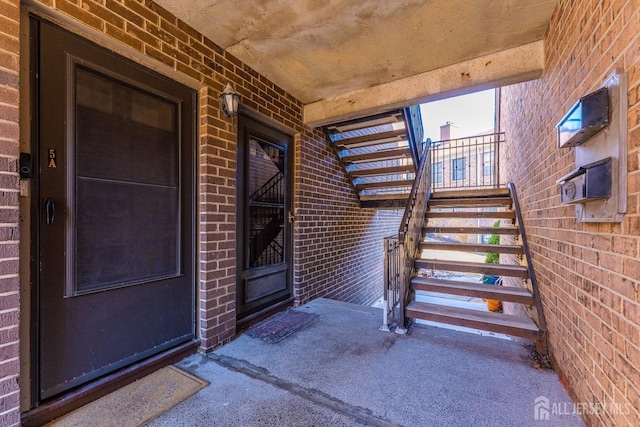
(230, 101)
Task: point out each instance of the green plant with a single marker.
(493, 258)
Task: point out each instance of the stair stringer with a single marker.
(534, 311)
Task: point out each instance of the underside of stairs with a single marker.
(450, 263)
(380, 154)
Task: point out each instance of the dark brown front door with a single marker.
(115, 211)
(265, 217)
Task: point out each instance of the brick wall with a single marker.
(588, 273)
(217, 224)
(9, 148)
(338, 248)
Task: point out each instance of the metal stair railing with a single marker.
(541, 344)
(261, 238)
(272, 254)
(415, 131)
(392, 274)
(270, 191)
(409, 237)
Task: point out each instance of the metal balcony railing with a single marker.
(466, 163)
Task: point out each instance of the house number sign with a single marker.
(52, 158)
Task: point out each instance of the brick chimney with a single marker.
(445, 131)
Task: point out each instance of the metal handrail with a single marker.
(424, 164)
(415, 130)
(537, 301)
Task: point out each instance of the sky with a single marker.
(471, 114)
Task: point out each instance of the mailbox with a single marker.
(586, 118)
(596, 129)
(588, 182)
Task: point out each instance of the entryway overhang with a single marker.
(348, 59)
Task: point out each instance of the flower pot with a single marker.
(492, 304)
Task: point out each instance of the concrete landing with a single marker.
(341, 370)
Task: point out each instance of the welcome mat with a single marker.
(281, 325)
(137, 403)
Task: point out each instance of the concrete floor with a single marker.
(342, 371)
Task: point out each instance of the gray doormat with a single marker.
(281, 325)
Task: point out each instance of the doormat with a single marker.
(281, 325)
(137, 403)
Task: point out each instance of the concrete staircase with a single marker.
(471, 213)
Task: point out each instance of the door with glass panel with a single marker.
(115, 209)
(265, 217)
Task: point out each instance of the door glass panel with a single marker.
(127, 185)
(266, 222)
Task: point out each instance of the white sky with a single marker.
(471, 114)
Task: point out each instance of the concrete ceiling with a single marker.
(325, 50)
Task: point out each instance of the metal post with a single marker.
(385, 291)
(401, 329)
(496, 162)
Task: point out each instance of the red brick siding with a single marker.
(9, 212)
(338, 245)
(217, 224)
(588, 273)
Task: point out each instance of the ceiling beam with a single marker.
(502, 68)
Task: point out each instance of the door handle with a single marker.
(290, 217)
(50, 210)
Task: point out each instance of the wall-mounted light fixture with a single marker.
(586, 118)
(230, 100)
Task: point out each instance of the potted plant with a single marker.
(493, 258)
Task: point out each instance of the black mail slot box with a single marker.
(588, 182)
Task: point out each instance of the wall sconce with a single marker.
(229, 103)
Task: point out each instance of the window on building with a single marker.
(458, 169)
(436, 173)
(487, 164)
